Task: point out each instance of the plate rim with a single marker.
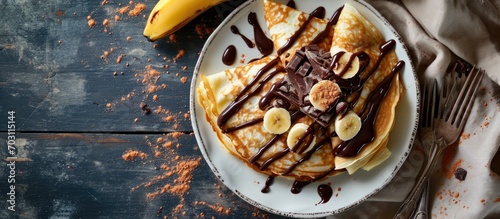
(214, 169)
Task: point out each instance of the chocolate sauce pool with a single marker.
(264, 44)
(229, 55)
(351, 86)
(325, 192)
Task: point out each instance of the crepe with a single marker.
(283, 22)
(237, 120)
(217, 91)
(353, 33)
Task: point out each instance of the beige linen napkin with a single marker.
(435, 32)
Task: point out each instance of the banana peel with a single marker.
(168, 16)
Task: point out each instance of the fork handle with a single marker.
(421, 211)
(412, 199)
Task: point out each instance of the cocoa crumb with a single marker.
(172, 38)
(120, 57)
(184, 79)
(168, 118)
(91, 23)
(123, 10)
(176, 134)
(131, 155)
(105, 54)
(138, 8)
(179, 55)
(151, 88)
(199, 30)
(159, 140)
(168, 144)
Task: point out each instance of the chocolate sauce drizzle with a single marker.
(333, 21)
(242, 96)
(236, 31)
(319, 71)
(291, 4)
(367, 132)
(318, 13)
(267, 185)
(264, 44)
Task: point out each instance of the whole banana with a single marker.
(169, 16)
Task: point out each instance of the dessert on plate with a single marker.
(321, 104)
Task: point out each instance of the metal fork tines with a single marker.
(450, 123)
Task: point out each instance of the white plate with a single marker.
(246, 182)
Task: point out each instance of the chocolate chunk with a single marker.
(307, 67)
(144, 107)
(304, 69)
(460, 174)
(295, 62)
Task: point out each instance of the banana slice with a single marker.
(323, 94)
(348, 125)
(296, 132)
(343, 63)
(277, 120)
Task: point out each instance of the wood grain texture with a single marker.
(84, 176)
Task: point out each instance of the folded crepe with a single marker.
(233, 99)
(283, 22)
(217, 92)
(353, 33)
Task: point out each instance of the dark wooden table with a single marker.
(81, 98)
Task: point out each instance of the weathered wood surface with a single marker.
(75, 119)
(84, 176)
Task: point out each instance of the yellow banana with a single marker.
(169, 16)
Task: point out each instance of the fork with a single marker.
(427, 137)
(428, 111)
(451, 82)
(448, 127)
(449, 124)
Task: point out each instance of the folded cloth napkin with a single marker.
(436, 32)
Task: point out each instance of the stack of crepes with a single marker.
(236, 93)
